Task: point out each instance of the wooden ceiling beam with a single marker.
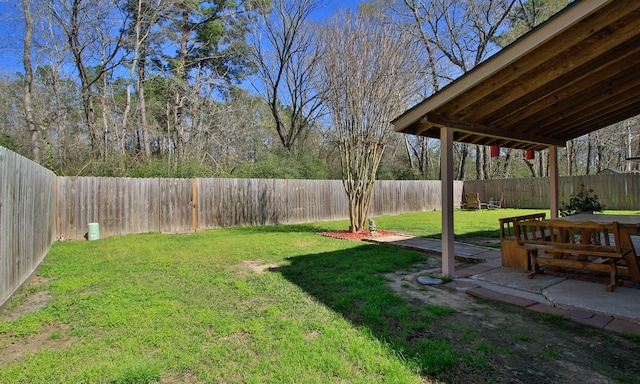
(602, 117)
(467, 137)
(418, 128)
(600, 95)
(441, 121)
(623, 57)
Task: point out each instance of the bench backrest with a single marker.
(506, 223)
(586, 236)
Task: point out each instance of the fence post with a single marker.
(194, 204)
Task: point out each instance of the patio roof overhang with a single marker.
(576, 73)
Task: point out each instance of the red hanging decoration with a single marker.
(529, 154)
(495, 151)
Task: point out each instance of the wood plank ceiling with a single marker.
(575, 74)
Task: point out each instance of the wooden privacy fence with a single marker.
(124, 205)
(36, 206)
(615, 191)
(27, 219)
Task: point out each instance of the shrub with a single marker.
(584, 201)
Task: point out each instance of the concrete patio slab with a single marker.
(517, 278)
(622, 303)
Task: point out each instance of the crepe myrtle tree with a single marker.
(367, 74)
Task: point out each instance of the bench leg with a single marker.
(533, 262)
(614, 275)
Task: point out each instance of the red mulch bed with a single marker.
(366, 234)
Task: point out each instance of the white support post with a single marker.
(446, 169)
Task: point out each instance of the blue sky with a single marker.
(11, 30)
(10, 37)
(333, 5)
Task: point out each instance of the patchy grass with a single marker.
(199, 307)
(269, 304)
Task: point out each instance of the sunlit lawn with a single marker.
(199, 308)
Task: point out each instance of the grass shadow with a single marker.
(351, 283)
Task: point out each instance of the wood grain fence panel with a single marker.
(397, 197)
(268, 204)
(339, 202)
(137, 210)
(122, 205)
(123, 188)
(615, 191)
(217, 192)
(293, 206)
(153, 190)
(7, 164)
(206, 214)
(175, 205)
(27, 219)
(381, 194)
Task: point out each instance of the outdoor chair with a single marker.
(473, 201)
(495, 204)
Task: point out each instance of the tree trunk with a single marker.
(570, 157)
(589, 151)
(481, 163)
(407, 146)
(142, 106)
(181, 75)
(28, 83)
(530, 167)
(462, 168)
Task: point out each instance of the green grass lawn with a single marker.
(197, 308)
(466, 223)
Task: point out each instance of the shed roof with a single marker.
(576, 73)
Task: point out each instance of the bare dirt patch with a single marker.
(517, 345)
(28, 301)
(31, 298)
(255, 266)
(53, 337)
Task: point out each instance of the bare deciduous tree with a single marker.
(88, 28)
(285, 60)
(368, 73)
(144, 15)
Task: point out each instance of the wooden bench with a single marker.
(512, 255)
(586, 246)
